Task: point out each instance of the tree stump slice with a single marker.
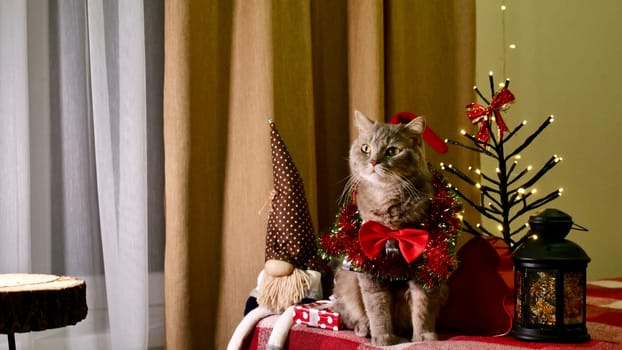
(32, 302)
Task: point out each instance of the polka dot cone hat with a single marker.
(290, 235)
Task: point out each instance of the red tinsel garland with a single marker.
(433, 266)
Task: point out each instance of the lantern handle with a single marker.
(578, 227)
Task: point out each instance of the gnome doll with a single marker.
(290, 275)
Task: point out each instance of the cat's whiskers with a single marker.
(351, 182)
(409, 188)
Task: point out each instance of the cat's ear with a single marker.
(417, 125)
(363, 124)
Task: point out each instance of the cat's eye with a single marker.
(392, 151)
(365, 149)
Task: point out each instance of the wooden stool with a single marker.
(31, 302)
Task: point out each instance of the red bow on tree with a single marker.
(373, 237)
(479, 114)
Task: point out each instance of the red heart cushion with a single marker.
(479, 300)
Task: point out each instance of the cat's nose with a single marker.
(373, 162)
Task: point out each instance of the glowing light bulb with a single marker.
(503, 8)
(512, 46)
(490, 73)
(524, 122)
(551, 118)
(478, 185)
(529, 167)
(500, 228)
(478, 225)
(560, 191)
(534, 191)
(463, 132)
(478, 172)
(517, 156)
(534, 237)
(521, 190)
(497, 170)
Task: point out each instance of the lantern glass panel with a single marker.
(542, 301)
(518, 289)
(573, 297)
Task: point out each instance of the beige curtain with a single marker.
(231, 65)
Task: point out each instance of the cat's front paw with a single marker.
(386, 339)
(424, 336)
(361, 329)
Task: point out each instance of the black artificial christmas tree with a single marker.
(505, 196)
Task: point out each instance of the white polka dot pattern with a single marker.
(290, 232)
(318, 314)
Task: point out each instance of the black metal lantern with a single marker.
(550, 282)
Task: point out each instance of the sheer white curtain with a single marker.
(81, 177)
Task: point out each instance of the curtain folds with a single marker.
(14, 135)
(81, 161)
(121, 185)
(229, 66)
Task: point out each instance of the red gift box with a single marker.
(318, 314)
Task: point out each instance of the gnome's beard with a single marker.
(278, 293)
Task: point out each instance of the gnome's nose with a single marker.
(278, 268)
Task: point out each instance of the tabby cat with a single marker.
(393, 187)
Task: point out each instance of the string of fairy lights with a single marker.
(510, 193)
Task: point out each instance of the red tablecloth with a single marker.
(604, 323)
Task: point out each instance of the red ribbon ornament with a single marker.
(479, 114)
(373, 237)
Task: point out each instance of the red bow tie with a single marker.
(373, 237)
